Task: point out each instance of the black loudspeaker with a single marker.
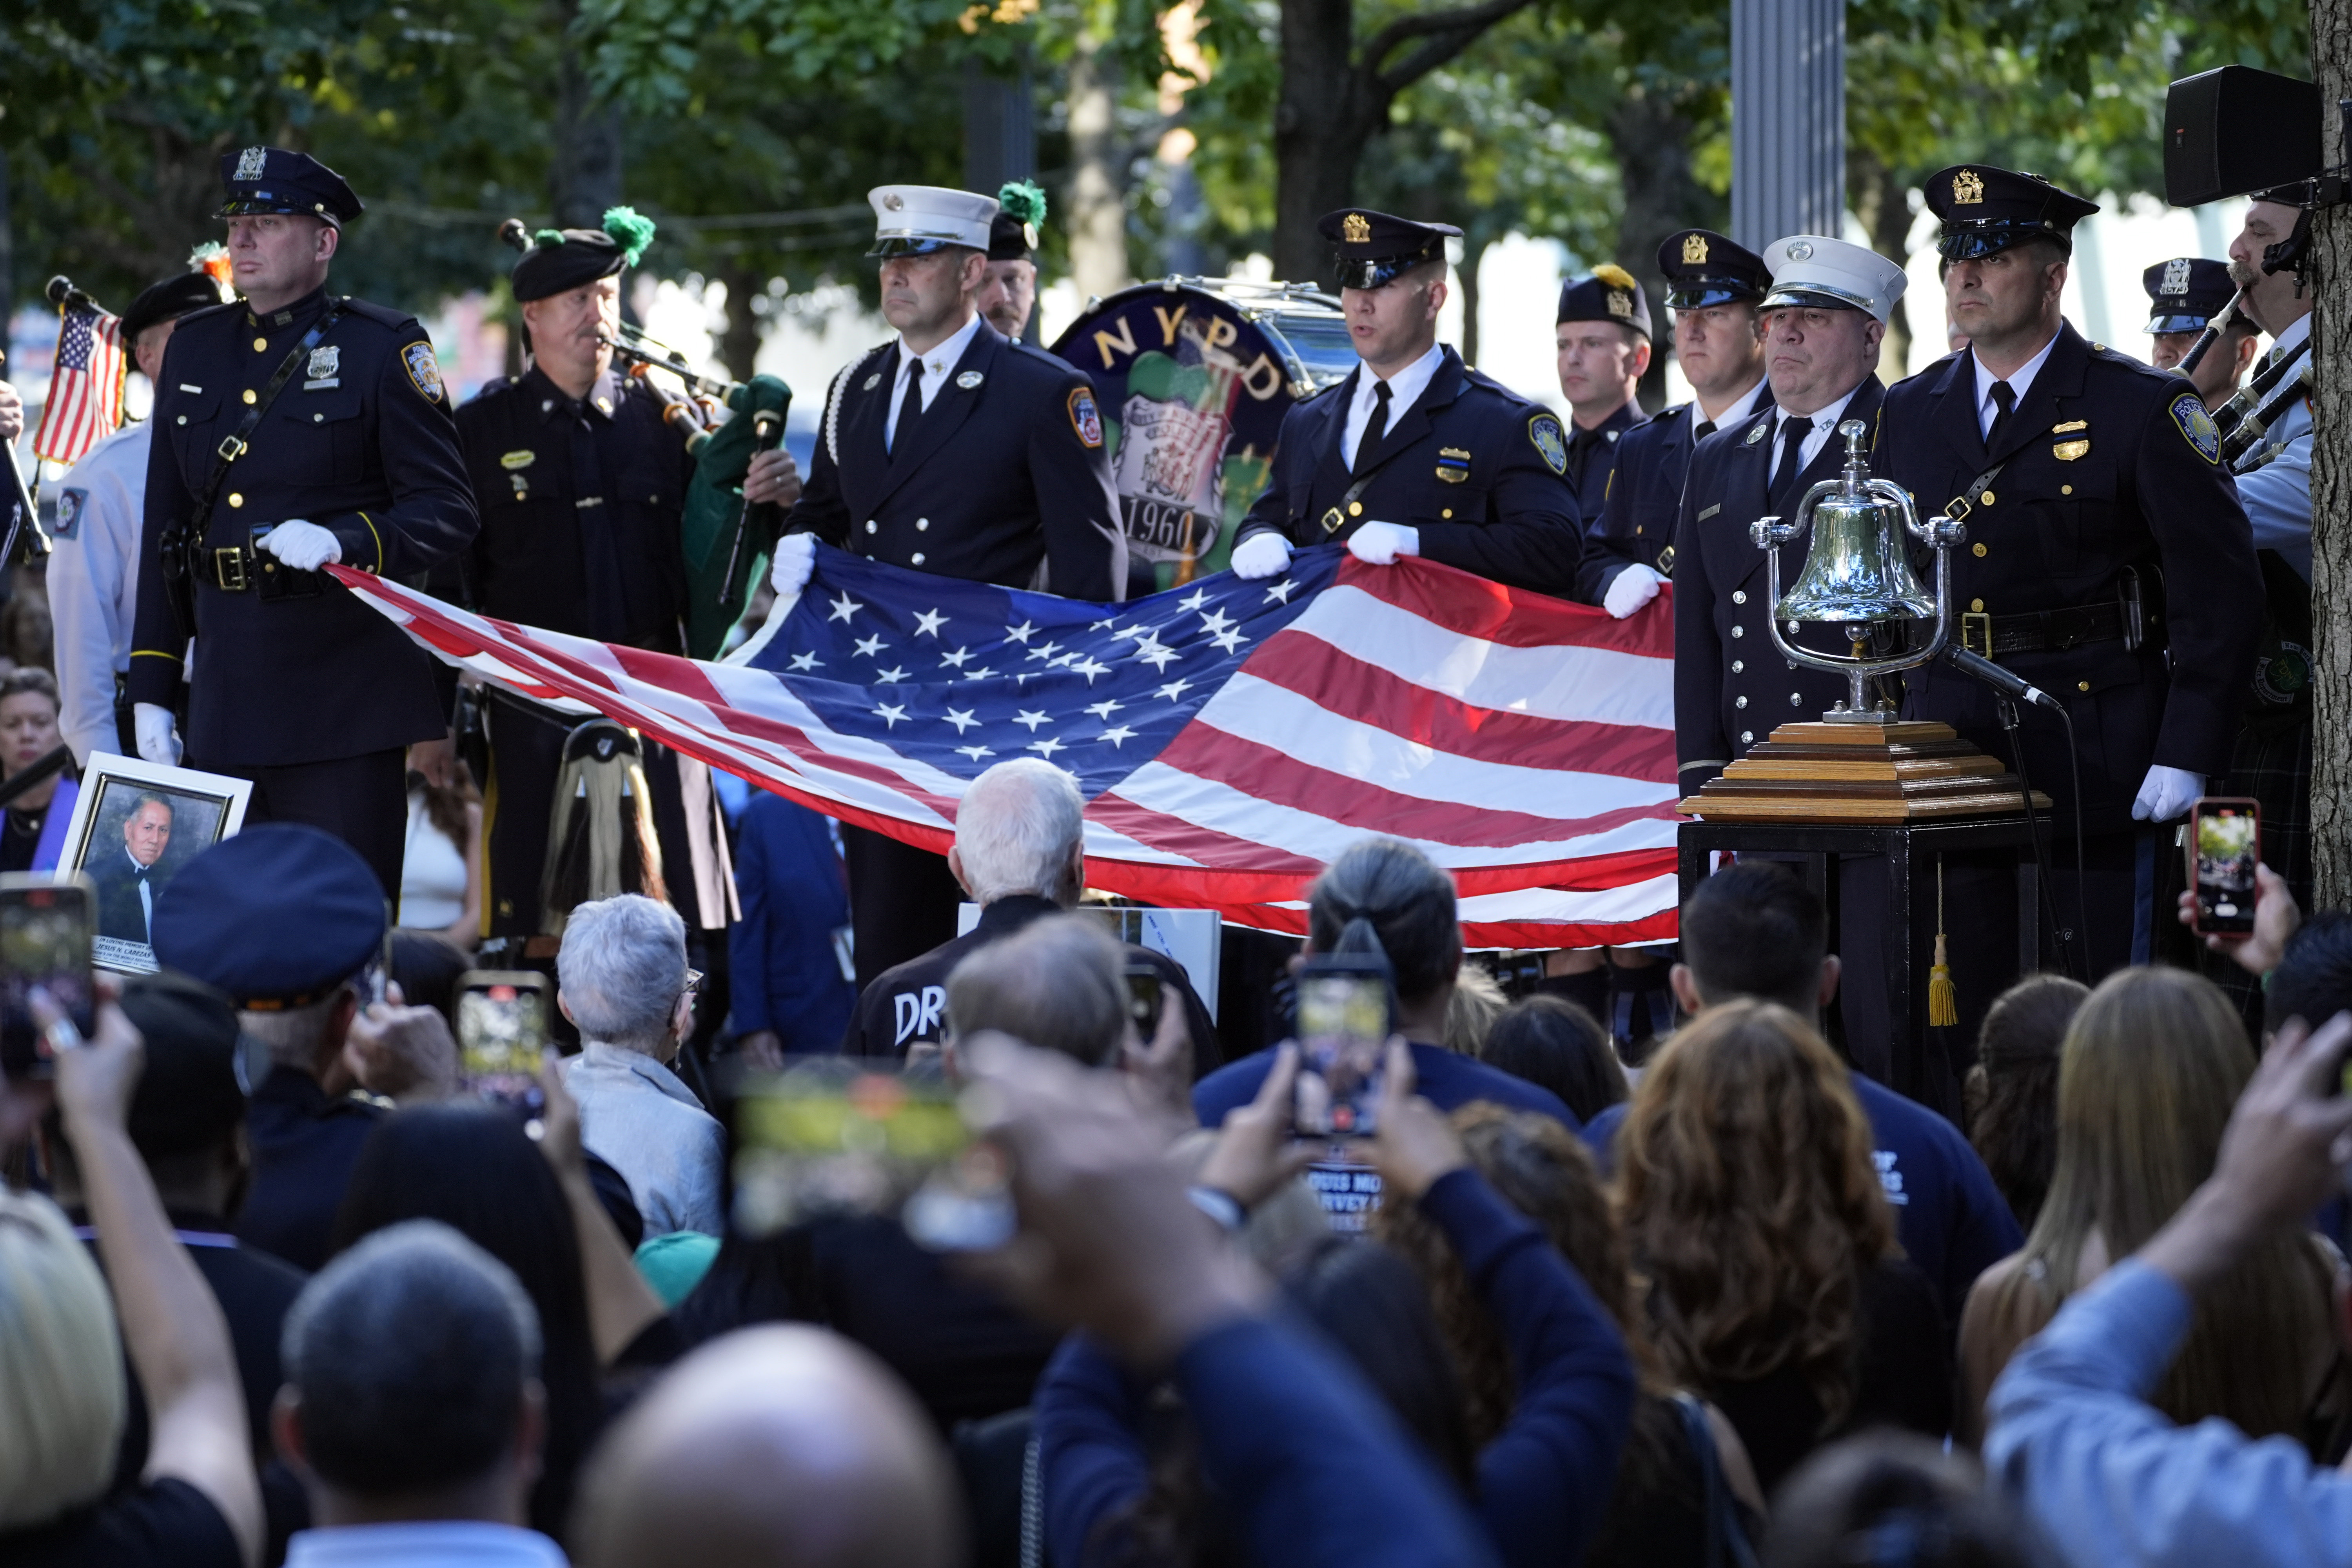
(2237, 130)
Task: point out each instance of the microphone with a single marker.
(2000, 680)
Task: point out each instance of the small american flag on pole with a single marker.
(1230, 737)
(85, 401)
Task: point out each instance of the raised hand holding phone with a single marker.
(1417, 1143)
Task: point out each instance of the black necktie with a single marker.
(1376, 427)
(1793, 432)
(1705, 428)
(2004, 398)
(911, 410)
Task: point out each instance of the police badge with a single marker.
(1356, 229)
(253, 163)
(2176, 275)
(1543, 430)
(423, 370)
(1694, 250)
(1968, 189)
(2188, 412)
(326, 362)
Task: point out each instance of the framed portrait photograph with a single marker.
(135, 823)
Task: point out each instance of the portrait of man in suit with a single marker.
(128, 873)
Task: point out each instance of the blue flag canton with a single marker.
(964, 675)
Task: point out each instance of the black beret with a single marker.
(1609, 294)
(1988, 210)
(1375, 248)
(558, 260)
(1702, 267)
(275, 916)
(273, 180)
(2186, 292)
(168, 300)
(1012, 232)
(189, 1098)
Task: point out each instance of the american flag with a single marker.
(85, 401)
(1230, 737)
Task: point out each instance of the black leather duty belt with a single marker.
(235, 568)
(2041, 631)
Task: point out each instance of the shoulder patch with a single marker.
(423, 370)
(1543, 430)
(2188, 412)
(1085, 417)
(69, 518)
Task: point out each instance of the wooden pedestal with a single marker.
(1884, 774)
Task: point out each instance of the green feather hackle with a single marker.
(548, 236)
(1023, 202)
(633, 230)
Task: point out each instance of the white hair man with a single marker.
(1020, 854)
(622, 977)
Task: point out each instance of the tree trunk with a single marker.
(1466, 280)
(738, 345)
(1327, 110)
(1651, 137)
(2331, 491)
(585, 173)
(1881, 201)
(1097, 207)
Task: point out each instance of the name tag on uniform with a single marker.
(1453, 465)
(323, 386)
(1710, 511)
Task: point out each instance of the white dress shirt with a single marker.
(1743, 408)
(2019, 381)
(2274, 478)
(1405, 388)
(94, 585)
(1824, 421)
(936, 363)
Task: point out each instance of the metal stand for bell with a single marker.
(1859, 763)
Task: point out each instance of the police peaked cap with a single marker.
(273, 180)
(1609, 294)
(169, 301)
(1012, 232)
(1374, 248)
(1702, 267)
(558, 260)
(1987, 210)
(2186, 292)
(275, 916)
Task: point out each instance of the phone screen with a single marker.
(2228, 846)
(45, 940)
(501, 1032)
(830, 1139)
(1343, 1027)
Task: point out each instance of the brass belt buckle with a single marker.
(1666, 562)
(1975, 632)
(228, 569)
(1333, 520)
(229, 450)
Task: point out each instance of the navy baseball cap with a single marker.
(277, 917)
(273, 180)
(1375, 248)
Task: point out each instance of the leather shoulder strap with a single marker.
(230, 450)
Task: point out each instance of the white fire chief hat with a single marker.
(1813, 269)
(916, 220)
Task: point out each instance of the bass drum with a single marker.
(1194, 376)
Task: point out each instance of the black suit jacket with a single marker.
(1731, 685)
(120, 912)
(1593, 456)
(2102, 472)
(1005, 478)
(1479, 470)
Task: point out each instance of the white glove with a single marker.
(1261, 555)
(157, 736)
(304, 546)
(1630, 590)
(795, 559)
(1380, 543)
(2166, 793)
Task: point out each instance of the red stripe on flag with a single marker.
(1448, 597)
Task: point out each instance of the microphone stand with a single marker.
(2006, 688)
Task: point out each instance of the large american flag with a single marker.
(1230, 737)
(85, 401)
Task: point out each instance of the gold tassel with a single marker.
(1943, 997)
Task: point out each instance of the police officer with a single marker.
(101, 512)
(291, 431)
(1823, 321)
(1414, 452)
(955, 451)
(2107, 561)
(2184, 295)
(1714, 288)
(1008, 289)
(1603, 342)
(580, 473)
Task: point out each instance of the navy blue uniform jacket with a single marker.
(1635, 522)
(2102, 472)
(783, 972)
(1593, 456)
(1478, 469)
(359, 441)
(1004, 480)
(1731, 685)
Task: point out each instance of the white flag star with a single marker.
(957, 657)
(928, 623)
(1090, 668)
(1106, 707)
(1157, 656)
(961, 718)
(890, 676)
(1117, 735)
(1046, 650)
(1032, 717)
(843, 608)
(1216, 622)
(1046, 747)
(1280, 593)
(982, 673)
(1104, 625)
(1064, 660)
(1230, 639)
(976, 752)
(1200, 597)
(871, 646)
(1022, 633)
(890, 714)
(1174, 689)
(806, 661)
(1138, 632)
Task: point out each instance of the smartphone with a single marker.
(2225, 845)
(1346, 1010)
(834, 1138)
(501, 1032)
(1144, 999)
(45, 925)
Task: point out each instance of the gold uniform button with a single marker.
(1985, 500)
(2081, 686)
(1355, 508)
(260, 345)
(1976, 606)
(251, 397)
(1976, 548)
(235, 498)
(1448, 511)
(2065, 490)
